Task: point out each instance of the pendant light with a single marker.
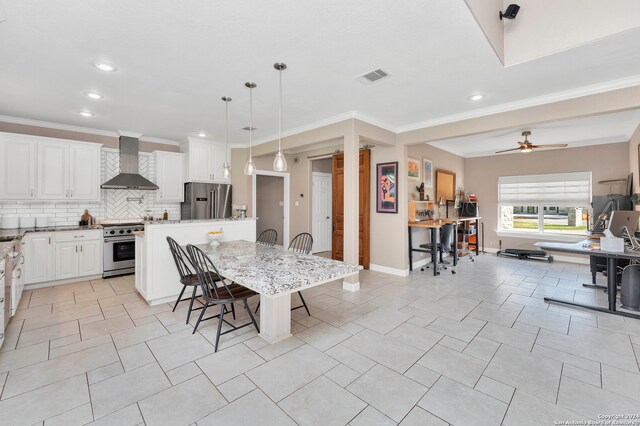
(280, 162)
(250, 167)
(226, 168)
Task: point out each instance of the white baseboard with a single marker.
(61, 282)
(388, 270)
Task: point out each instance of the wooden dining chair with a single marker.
(216, 292)
(268, 237)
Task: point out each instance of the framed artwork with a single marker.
(387, 187)
(413, 169)
(445, 185)
(427, 172)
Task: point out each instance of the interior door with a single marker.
(337, 243)
(321, 204)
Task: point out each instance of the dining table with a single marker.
(274, 272)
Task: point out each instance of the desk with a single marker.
(274, 273)
(612, 264)
(434, 226)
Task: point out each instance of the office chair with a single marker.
(446, 241)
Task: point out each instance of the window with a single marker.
(548, 203)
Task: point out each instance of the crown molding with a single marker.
(80, 129)
(593, 89)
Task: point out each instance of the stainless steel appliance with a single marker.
(13, 282)
(119, 249)
(206, 201)
(129, 178)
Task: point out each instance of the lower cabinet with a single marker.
(78, 258)
(37, 256)
(64, 255)
(66, 260)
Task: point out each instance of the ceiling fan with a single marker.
(527, 146)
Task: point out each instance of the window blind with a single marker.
(552, 189)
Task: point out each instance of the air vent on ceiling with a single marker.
(247, 128)
(372, 76)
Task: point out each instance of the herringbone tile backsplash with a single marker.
(113, 202)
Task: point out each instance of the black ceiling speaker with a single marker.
(511, 12)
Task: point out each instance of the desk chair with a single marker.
(465, 243)
(446, 241)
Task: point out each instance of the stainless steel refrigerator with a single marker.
(206, 201)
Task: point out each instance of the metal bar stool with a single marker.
(215, 291)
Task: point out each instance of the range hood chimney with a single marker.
(129, 178)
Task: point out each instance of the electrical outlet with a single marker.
(297, 203)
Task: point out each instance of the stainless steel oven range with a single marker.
(119, 249)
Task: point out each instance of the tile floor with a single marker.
(479, 347)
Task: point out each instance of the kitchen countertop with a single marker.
(173, 222)
(18, 233)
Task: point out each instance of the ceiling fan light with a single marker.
(526, 149)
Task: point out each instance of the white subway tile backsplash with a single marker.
(113, 202)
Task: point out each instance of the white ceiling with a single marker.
(176, 59)
(595, 130)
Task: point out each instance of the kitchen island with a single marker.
(157, 278)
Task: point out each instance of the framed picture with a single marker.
(427, 172)
(413, 169)
(445, 185)
(387, 187)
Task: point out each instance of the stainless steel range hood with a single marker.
(129, 178)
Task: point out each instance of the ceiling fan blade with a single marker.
(558, 145)
(507, 150)
(521, 143)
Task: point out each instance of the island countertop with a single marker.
(273, 270)
(175, 222)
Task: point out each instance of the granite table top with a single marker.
(273, 270)
(173, 222)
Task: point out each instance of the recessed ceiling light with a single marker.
(94, 95)
(202, 134)
(475, 97)
(86, 114)
(104, 67)
(247, 128)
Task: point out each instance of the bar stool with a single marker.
(215, 291)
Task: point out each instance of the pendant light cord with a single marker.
(250, 122)
(226, 131)
(280, 116)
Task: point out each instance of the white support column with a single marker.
(275, 317)
(351, 204)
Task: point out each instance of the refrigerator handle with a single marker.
(212, 197)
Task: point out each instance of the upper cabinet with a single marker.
(17, 167)
(39, 168)
(68, 171)
(204, 161)
(169, 176)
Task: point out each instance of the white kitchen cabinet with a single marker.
(17, 167)
(68, 171)
(204, 160)
(66, 260)
(53, 171)
(90, 258)
(78, 254)
(37, 254)
(169, 176)
(84, 172)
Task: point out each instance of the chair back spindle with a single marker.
(302, 243)
(268, 237)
